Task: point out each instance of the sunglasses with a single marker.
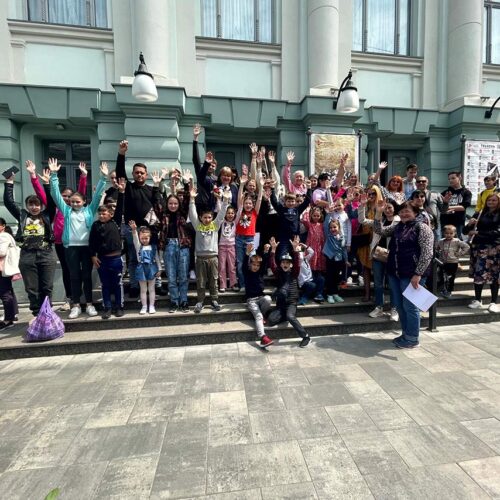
(419, 181)
(372, 194)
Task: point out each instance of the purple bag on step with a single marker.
(47, 325)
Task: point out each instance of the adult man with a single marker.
(435, 203)
(409, 183)
(140, 200)
(459, 200)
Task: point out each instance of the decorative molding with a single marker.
(491, 72)
(381, 62)
(50, 34)
(232, 49)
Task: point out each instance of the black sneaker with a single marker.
(185, 307)
(4, 325)
(106, 314)
(305, 342)
(119, 312)
(216, 306)
(173, 308)
(133, 293)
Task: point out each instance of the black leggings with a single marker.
(61, 255)
(80, 271)
(478, 291)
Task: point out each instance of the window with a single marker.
(73, 12)
(248, 20)
(491, 33)
(381, 26)
(69, 154)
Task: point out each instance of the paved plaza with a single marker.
(348, 417)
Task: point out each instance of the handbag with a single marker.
(10, 263)
(46, 326)
(381, 254)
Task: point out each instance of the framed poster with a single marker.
(481, 158)
(327, 149)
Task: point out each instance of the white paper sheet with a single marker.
(420, 297)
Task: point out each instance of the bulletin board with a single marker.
(327, 149)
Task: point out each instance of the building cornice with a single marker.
(381, 62)
(233, 49)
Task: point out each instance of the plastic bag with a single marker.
(46, 326)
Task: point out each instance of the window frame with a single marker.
(489, 5)
(89, 9)
(397, 32)
(218, 23)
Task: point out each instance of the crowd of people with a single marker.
(317, 235)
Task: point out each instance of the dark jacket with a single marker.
(254, 282)
(287, 282)
(488, 229)
(289, 217)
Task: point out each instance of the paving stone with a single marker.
(460, 382)
(192, 407)
(488, 399)
(10, 448)
(253, 494)
(488, 378)
(107, 443)
(228, 403)
(224, 377)
(366, 391)
(28, 484)
(426, 410)
(128, 478)
(442, 363)
(303, 491)
(269, 464)
(462, 407)
(223, 469)
(437, 444)
(350, 418)
(229, 430)
(441, 481)
(350, 486)
(22, 422)
(111, 412)
(429, 384)
(387, 414)
(372, 452)
(485, 473)
(306, 396)
(155, 409)
(289, 376)
(487, 430)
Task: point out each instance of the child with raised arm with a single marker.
(336, 258)
(246, 223)
(78, 221)
(105, 243)
(206, 249)
(254, 268)
(148, 266)
(287, 291)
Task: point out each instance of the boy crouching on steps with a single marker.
(254, 268)
(206, 249)
(287, 292)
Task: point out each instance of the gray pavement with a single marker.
(347, 417)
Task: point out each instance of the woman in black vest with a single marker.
(410, 253)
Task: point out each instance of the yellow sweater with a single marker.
(481, 199)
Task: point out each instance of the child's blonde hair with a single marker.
(450, 227)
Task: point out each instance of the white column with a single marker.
(153, 36)
(323, 44)
(5, 47)
(464, 49)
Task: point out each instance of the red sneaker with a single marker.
(265, 341)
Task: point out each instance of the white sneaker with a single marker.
(394, 314)
(192, 275)
(75, 312)
(475, 304)
(144, 310)
(91, 311)
(152, 310)
(66, 306)
(378, 312)
(349, 281)
(494, 308)
(361, 281)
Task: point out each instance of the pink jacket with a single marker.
(287, 181)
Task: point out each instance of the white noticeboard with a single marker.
(481, 158)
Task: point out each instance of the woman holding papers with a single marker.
(410, 253)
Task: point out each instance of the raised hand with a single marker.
(31, 168)
(244, 178)
(156, 176)
(290, 156)
(197, 130)
(53, 165)
(250, 248)
(121, 184)
(307, 182)
(104, 169)
(344, 158)
(380, 205)
(123, 147)
(209, 157)
(133, 225)
(363, 199)
(253, 149)
(45, 176)
(295, 243)
(267, 247)
(165, 172)
(382, 165)
(274, 244)
(261, 156)
(193, 192)
(271, 155)
(187, 175)
(83, 169)
(263, 150)
(244, 169)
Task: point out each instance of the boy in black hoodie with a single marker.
(287, 293)
(254, 268)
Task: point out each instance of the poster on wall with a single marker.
(481, 158)
(327, 149)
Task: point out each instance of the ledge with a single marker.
(235, 49)
(393, 64)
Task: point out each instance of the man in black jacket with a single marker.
(140, 200)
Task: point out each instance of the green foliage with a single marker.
(53, 494)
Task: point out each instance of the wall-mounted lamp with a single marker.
(347, 99)
(143, 87)
(489, 112)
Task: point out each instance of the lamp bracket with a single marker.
(489, 113)
(143, 69)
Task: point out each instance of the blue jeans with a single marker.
(110, 274)
(132, 256)
(409, 315)
(314, 287)
(379, 274)
(241, 248)
(177, 267)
